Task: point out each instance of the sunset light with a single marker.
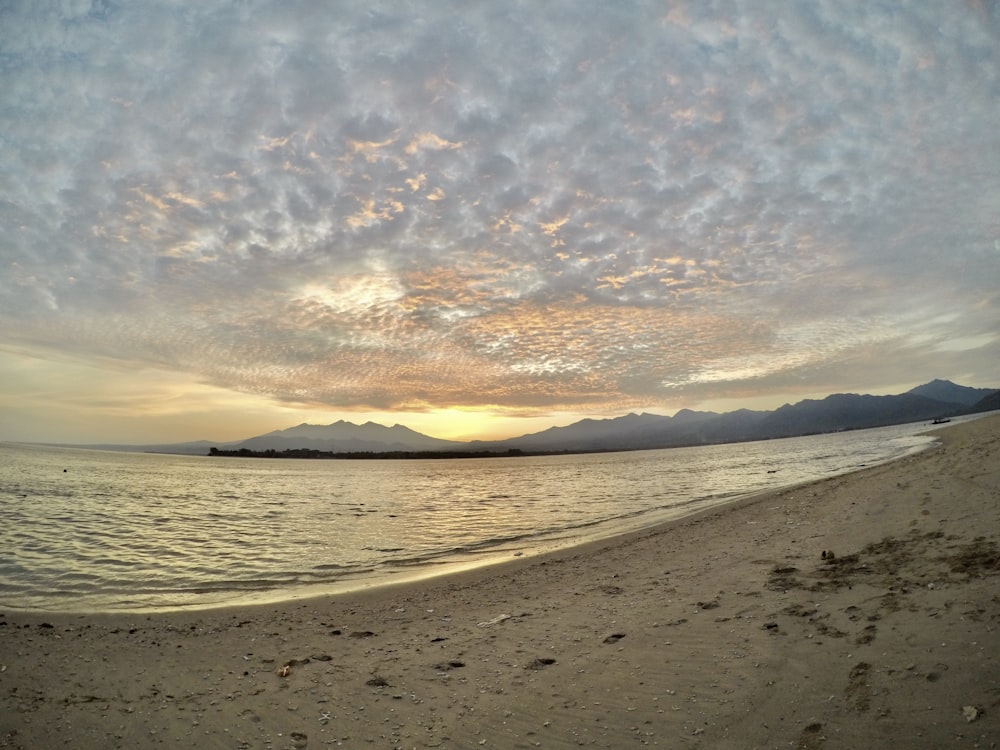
(487, 219)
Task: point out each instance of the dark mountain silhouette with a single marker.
(585, 435)
(342, 437)
(988, 403)
(636, 431)
(945, 390)
(837, 412)
(849, 411)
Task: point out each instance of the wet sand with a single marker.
(735, 628)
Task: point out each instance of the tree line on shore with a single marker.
(311, 453)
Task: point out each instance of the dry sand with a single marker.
(730, 629)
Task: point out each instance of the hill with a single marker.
(837, 412)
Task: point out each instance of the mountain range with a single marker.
(838, 412)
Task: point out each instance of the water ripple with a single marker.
(100, 530)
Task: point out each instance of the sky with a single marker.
(481, 219)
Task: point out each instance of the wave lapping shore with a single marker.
(90, 531)
(857, 611)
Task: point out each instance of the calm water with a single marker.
(96, 530)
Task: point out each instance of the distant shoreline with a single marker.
(313, 453)
(310, 453)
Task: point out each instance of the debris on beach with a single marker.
(494, 621)
(971, 713)
(447, 666)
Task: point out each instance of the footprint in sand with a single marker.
(540, 663)
(867, 635)
(811, 737)
(858, 690)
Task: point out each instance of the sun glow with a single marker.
(465, 424)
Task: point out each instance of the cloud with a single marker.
(557, 206)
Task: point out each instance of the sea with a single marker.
(87, 530)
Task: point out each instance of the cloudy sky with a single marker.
(223, 217)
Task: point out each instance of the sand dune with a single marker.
(859, 611)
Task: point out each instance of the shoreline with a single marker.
(726, 628)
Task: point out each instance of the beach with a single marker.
(862, 610)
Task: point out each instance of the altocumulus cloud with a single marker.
(538, 206)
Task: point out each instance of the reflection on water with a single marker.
(102, 530)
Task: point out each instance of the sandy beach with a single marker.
(858, 611)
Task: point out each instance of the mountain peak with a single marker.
(344, 436)
(687, 415)
(948, 392)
